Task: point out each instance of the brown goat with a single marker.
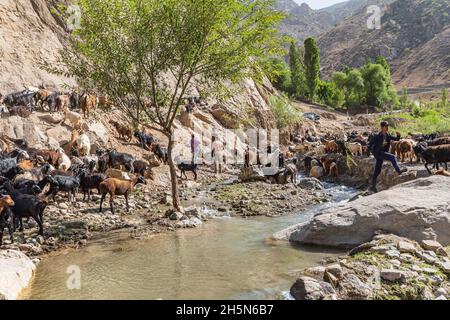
(331, 146)
(87, 104)
(116, 187)
(103, 102)
(62, 103)
(72, 143)
(42, 96)
(21, 111)
(405, 149)
(328, 165)
(125, 132)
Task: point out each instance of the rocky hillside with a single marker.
(413, 36)
(29, 34)
(302, 21)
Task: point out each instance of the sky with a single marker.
(318, 4)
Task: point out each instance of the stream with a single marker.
(226, 258)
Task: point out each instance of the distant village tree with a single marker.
(297, 71)
(312, 66)
(145, 54)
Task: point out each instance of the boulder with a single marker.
(19, 128)
(364, 168)
(97, 132)
(16, 272)
(310, 183)
(417, 210)
(431, 245)
(250, 174)
(187, 119)
(225, 117)
(306, 288)
(176, 216)
(406, 247)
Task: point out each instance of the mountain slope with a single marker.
(410, 38)
(29, 33)
(304, 21)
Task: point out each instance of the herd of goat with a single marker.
(30, 178)
(317, 154)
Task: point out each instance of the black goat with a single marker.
(89, 182)
(185, 167)
(145, 140)
(26, 206)
(121, 159)
(70, 185)
(161, 153)
(433, 155)
(140, 167)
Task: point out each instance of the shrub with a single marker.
(284, 111)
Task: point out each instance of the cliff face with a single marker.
(29, 34)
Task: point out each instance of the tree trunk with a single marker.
(173, 174)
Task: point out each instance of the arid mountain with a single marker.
(302, 21)
(414, 37)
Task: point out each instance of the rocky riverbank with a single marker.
(418, 210)
(387, 268)
(16, 273)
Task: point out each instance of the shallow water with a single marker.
(227, 258)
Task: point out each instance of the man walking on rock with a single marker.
(380, 146)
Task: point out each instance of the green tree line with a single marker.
(300, 79)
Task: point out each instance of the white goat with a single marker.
(76, 120)
(83, 145)
(64, 162)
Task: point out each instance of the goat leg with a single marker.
(428, 169)
(41, 228)
(101, 202)
(111, 203)
(126, 201)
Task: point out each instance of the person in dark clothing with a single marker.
(380, 146)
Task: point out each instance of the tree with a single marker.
(351, 84)
(355, 85)
(312, 66)
(297, 71)
(386, 66)
(145, 54)
(278, 72)
(375, 80)
(329, 94)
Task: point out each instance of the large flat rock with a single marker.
(16, 272)
(418, 210)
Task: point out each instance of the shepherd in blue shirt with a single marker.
(380, 145)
